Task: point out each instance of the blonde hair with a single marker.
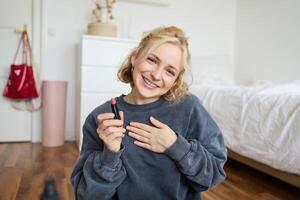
(149, 43)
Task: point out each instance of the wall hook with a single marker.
(25, 29)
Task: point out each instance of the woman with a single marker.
(165, 145)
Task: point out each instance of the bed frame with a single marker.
(293, 179)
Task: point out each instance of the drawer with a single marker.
(105, 52)
(102, 79)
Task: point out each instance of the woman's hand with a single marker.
(111, 130)
(156, 139)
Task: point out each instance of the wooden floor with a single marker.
(245, 183)
(24, 166)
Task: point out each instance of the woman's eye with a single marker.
(171, 72)
(152, 60)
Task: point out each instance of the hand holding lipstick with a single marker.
(110, 128)
(156, 139)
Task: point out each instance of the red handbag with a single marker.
(21, 83)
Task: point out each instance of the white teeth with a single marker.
(149, 83)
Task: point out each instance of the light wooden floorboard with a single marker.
(24, 167)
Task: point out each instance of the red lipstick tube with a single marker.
(114, 108)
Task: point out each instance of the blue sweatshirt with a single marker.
(191, 165)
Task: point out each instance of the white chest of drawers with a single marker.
(96, 82)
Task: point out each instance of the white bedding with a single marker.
(260, 122)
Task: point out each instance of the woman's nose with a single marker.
(156, 74)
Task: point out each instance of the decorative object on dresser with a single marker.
(100, 59)
(102, 19)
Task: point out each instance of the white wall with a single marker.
(267, 40)
(260, 37)
(210, 24)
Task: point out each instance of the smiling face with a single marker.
(155, 75)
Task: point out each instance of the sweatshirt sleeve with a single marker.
(98, 171)
(202, 156)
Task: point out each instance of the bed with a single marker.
(260, 124)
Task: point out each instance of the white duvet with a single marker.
(260, 122)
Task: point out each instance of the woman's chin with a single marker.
(149, 96)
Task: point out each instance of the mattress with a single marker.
(261, 122)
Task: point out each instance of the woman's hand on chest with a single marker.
(155, 138)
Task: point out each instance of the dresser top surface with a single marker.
(99, 38)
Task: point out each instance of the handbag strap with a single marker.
(22, 80)
(26, 53)
(19, 45)
(28, 50)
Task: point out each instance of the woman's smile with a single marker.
(149, 84)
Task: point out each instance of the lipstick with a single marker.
(114, 108)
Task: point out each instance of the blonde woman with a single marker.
(165, 145)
